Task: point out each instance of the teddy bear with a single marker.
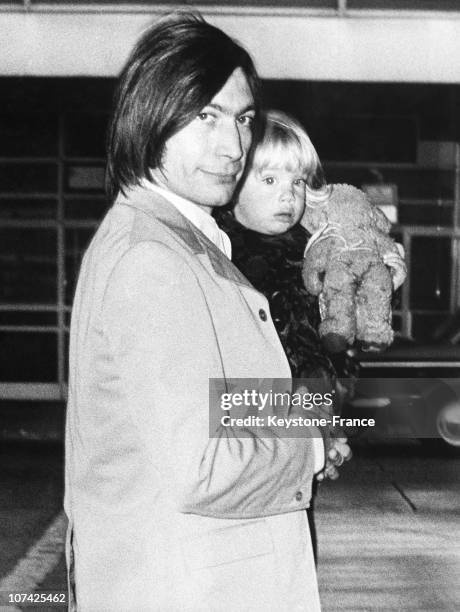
(343, 265)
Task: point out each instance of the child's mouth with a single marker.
(286, 217)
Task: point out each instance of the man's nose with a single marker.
(230, 144)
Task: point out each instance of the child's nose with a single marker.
(287, 193)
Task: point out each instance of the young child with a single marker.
(268, 243)
(265, 228)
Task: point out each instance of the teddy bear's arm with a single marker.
(314, 266)
(385, 244)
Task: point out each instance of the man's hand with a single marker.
(338, 452)
(398, 266)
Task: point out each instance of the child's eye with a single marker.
(268, 180)
(299, 181)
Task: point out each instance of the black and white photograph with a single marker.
(230, 306)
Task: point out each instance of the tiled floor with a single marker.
(389, 528)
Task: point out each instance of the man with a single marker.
(161, 515)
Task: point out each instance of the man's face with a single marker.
(204, 161)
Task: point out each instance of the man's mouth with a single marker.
(223, 177)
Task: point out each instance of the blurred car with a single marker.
(412, 391)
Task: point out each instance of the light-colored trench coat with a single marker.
(161, 516)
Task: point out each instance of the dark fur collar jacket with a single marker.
(273, 264)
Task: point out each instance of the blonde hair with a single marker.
(285, 143)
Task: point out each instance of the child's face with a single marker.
(272, 200)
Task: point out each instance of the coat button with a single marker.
(298, 496)
(262, 314)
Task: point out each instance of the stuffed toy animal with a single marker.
(343, 265)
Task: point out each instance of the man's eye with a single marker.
(246, 120)
(204, 116)
(299, 181)
(269, 180)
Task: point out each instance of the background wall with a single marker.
(290, 43)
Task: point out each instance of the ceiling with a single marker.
(341, 7)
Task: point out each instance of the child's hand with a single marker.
(338, 453)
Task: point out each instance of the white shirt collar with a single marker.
(200, 219)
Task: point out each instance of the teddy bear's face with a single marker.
(347, 207)
(350, 212)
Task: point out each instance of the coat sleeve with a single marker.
(161, 333)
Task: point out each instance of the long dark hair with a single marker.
(175, 69)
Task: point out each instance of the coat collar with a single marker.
(160, 210)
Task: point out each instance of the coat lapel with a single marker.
(159, 213)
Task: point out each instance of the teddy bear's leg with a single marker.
(338, 328)
(373, 309)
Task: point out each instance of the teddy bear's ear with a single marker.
(314, 217)
(315, 214)
(381, 220)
